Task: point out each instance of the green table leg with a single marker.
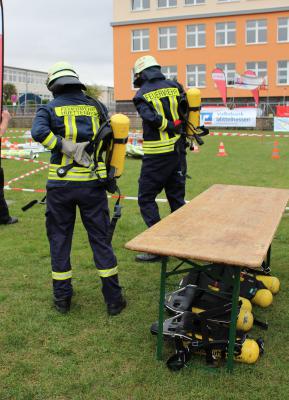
(160, 341)
(234, 315)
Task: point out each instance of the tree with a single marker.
(93, 91)
(8, 90)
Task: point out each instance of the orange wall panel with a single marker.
(239, 54)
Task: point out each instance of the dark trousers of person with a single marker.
(60, 219)
(4, 212)
(158, 172)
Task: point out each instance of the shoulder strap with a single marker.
(100, 108)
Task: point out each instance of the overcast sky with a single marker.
(39, 33)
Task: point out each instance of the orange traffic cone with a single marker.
(275, 152)
(222, 152)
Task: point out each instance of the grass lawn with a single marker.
(86, 354)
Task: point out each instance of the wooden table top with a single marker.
(228, 224)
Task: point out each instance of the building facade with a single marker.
(27, 81)
(190, 38)
(107, 97)
(34, 82)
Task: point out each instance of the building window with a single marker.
(283, 30)
(132, 79)
(196, 35)
(138, 5)
(259, 67)
(226, 1)
(283, 73)
(196, 75)
(225, 33)
(168, 38)
(140, 40)
(194, 2)
(229, 71)
(170, 72)
(256, 31)
(167, 3)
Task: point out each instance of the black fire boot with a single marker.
(116, 308)
(62, 305)
(147, 257)
(8, 221)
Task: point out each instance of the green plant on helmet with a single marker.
(61, 74)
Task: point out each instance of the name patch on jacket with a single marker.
(87, 111)
(160, 93)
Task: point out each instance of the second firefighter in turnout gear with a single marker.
(66, 126)
(164, 161)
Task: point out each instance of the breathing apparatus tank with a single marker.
(263, 298)
(194, 101)
(246, 304)
(120, 127)
(249, 353)
(245, 320)
(271, 282)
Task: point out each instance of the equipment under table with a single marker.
(226, 224)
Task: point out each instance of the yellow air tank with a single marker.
(250, 352)
(245, 320)
(246, 304)
(271, 282)
(263, 298)
(194, 101)
(120, 127)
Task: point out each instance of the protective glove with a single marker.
(175, 126)
(111, 185)
(76, 151)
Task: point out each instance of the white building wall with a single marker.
(27, 81)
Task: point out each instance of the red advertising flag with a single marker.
(255, 91)
(1, 82)
(1, 55)
(219, 78)
(282, 111)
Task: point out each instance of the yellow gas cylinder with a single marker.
(197, 310)
(271, 282)
(245, 320)
(246, 304)
(194, 101)
(249, 353)
(263, 298)
(120, 127)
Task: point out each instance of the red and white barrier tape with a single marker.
(246, 134)
(25, 190)
(137, 133)
(109, 196)
(13, 130)
(24, 159)
(16, 137)
(27, 174)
